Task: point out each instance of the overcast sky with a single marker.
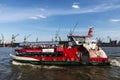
(42, 18)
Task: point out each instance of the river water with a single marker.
(8, 71)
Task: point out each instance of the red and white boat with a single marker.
(78, 50)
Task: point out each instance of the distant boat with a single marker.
(78, 50)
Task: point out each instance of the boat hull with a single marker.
(63, 63)
(58, 63)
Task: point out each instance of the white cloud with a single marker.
(75, 5)
(41, 16)
(100, 8)
(34, 18)
(42, 9)
(115, 20)
(10, 14)
(38, 17)
(90, 9)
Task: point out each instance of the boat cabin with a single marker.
(78, 40)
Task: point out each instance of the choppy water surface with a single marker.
(8, 71)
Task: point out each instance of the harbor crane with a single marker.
(72, 31)
(13, 38)
(37, 40)
(57, 37)
(25, 38)
(3, 40)
(109, 38)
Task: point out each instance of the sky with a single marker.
(42, 19)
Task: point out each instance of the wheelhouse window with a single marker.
(79, 39)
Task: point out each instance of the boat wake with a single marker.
(115, 61)
(36, 66)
